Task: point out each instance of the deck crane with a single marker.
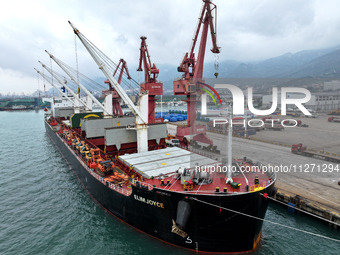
(61, 92)
(103, 62)
(191, 82)
(106, 107)
(78, 101)
(116, 108)
(150, 83)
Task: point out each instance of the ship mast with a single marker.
(230, 138)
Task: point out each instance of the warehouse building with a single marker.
(320, 101)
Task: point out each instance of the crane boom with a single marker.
(56, 87)
(206, 14)
(140, 112)
(75, 96)
(116, 108)
(189, 60)
(150, 83)
(124, 67)
(78, 83)
(192, 69)
(88, 45)
(150, 70)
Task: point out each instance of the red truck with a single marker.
(299, 149)
(333, 119)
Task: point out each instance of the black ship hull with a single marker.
(208, 228)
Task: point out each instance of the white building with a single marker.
(331, 85)
(320, 101)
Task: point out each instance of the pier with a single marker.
(313, 191)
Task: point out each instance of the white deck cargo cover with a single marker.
(66, 123)
(164, 161)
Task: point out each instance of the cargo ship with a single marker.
(167, 192)
(174, 194)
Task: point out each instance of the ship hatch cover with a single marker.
(67, 123)
(164, 161)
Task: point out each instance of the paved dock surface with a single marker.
(320, 134)
(316, 185)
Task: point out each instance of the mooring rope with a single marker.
(275, 223)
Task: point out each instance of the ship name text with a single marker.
(149, 202)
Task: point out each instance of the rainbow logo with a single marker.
(209, 93)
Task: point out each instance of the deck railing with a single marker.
(134, 182)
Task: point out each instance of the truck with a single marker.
(274, 126)
(292, 123)
(333, 119)
(302, 150)
(173, 143)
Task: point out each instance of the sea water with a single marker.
(44, 209)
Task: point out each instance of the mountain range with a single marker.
(304, 67)
(307, 64)
(314, 63)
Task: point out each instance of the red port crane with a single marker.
(116, 108)
(192, 68)
(151, 84)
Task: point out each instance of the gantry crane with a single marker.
(192, 68)
(150, 83)
(116, 108)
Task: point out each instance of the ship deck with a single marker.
(180, 170)
(218, 184)
(160, 169)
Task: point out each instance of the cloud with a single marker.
(16, 81)
(247, 30)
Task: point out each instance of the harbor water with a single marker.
(45, 210)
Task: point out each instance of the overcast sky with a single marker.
(247, 30)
